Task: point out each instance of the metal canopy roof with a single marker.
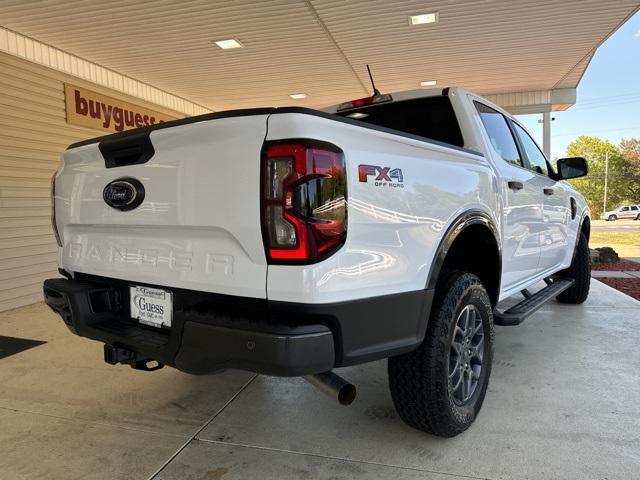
(320, 47)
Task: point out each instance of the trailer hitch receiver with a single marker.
(114, 355)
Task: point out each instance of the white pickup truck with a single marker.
(291, 241)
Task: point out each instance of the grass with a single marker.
(626, 244)
(610, 239)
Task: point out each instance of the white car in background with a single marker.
(626, 211)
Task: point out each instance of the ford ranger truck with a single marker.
(291, 241)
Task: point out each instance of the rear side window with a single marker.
(499, 133)
(535, 157)
(430, 117)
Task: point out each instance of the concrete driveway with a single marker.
(563, 402)
(619, 226)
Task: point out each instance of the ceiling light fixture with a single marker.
(423, 18)
(358, 115)
(227, 44)
(298, 96)
(428, 83)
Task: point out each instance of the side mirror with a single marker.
(572, 167)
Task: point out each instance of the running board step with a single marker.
(517, 314)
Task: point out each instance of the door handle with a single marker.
(548, 191)
(513, 185)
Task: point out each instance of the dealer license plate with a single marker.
(151, 306)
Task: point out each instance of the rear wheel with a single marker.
(439, 388)
(612, 218)
(580, 272)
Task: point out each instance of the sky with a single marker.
(608, 97)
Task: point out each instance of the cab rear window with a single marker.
(430, 117)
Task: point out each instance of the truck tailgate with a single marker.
(199, 224)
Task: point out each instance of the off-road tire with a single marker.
(419, 380)
(580, 272)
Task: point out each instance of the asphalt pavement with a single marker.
(618, 226)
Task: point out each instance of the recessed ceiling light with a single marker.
(428, 83)
(227, 44)
(298, 96)
(357, 115)
(423, 18)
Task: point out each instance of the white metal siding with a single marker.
(33, 134)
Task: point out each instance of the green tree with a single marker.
(592, 186)
(631, 152)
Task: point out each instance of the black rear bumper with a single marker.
(212, 332)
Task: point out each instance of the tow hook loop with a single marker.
(114, 355)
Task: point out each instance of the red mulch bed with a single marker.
(630, 286)
(619, 266)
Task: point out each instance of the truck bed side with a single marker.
(394, 228)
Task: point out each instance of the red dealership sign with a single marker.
(90, 109)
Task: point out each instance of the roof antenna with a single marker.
(375, 90)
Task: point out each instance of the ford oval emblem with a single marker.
(123, 193)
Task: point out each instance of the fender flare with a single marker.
(464, 220)
(585, 215)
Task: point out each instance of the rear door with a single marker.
(625, 212)
(522, 201)
(556, 210)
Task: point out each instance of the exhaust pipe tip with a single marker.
(347, 394)
(333, 385)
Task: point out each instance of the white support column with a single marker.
(546, 134)
(537, 101)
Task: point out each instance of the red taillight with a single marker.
(53, 209)
(304, 207)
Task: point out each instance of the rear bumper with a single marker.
(212, 332)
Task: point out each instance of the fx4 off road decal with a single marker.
(383, 176)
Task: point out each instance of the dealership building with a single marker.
(563, 396)
(50, 99)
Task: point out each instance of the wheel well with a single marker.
(475, 250)
(586, 227)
